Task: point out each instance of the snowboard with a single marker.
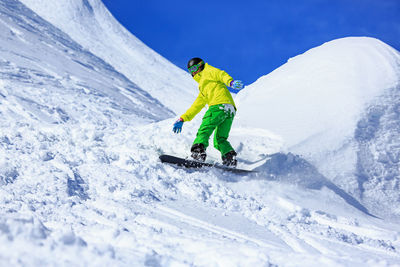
(192, 164)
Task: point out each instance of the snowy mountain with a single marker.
(83, 122)
(90, 24)
(36, 54)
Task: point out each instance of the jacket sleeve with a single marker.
(224, 77)
(197, 105)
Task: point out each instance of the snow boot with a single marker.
(229, 159)
(198, 152)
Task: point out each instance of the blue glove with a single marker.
(237, 84)
(178, 126)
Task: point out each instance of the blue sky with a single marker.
(250, 38)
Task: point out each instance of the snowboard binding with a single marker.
(198, 152)
(229, 159)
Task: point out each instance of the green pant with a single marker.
(218, 118)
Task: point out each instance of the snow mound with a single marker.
(337, 106)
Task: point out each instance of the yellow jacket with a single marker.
(213, 89)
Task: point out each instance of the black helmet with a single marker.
(195, 65)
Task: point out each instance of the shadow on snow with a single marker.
(293, 169)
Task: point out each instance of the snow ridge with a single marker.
(56, 52)
(93, 26)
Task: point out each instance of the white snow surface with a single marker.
(81, 183)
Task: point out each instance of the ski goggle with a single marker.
(195, 68)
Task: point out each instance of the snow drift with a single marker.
(337, 106)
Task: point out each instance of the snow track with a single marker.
(227, 224)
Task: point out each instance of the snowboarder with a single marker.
(213, 89)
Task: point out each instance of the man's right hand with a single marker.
(178, 126)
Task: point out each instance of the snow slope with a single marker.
(48, 63)
(337, 106)
(90, 24)
(81, 183)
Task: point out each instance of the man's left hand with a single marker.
(237, 84)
